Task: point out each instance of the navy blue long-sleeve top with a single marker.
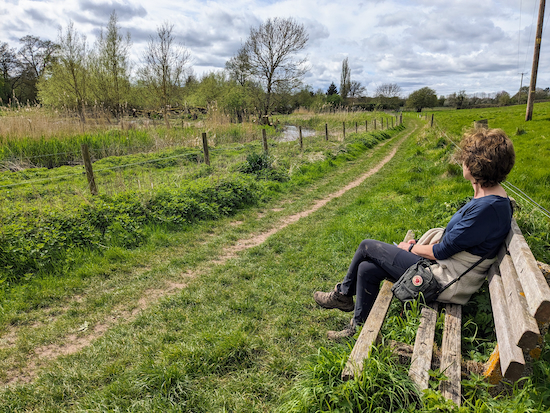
(478, 228)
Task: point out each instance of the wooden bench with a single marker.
(520, 297)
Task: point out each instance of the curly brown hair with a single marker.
(488, 154)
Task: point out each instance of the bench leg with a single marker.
(450, 353)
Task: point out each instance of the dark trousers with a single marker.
(373, 262)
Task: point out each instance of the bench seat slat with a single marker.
(512, 362)
(369, 333)
(450, 353)
(535, 287)
(421, 360)
(525, 328)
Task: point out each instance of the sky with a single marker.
(480, 46)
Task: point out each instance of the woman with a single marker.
(477, 229)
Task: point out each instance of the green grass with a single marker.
(531, 173)
(245, 335)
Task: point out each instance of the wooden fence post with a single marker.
(301, 140)
(344, 129)
(392, 122)
(382, 124)
(205, 149)
(432, 121)
(374, 122)
(326, 132)
(400, 118)
(89, 169)
(366, 126)
(355, 127)
(264, 139)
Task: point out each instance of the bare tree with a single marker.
(37, 54)
(271, 50)
(9, 67)
(356, 90)
(239, 67)
(164, 67)
(388, 90)
(34, 57)
(345, 79)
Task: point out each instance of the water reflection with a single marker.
(291, 133)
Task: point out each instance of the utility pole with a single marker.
(520, 86)
(536, 54)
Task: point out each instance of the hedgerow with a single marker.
(43, 241)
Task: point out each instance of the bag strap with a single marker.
(470, 269)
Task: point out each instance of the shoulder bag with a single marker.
(419, 280)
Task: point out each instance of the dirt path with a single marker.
(261, 238)
(74, 342)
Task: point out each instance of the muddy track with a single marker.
(74, 342)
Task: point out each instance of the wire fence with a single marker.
(519, 193)
(509, 186)
(134, 150)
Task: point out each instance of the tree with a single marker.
(8, 71)
(164, 68)
(345, 79)
(110, 67)
(239, 67)
(35, 56)
(422, 98)
(356, 90)
(65, 82)
(271, 52)
(332, 90)
(503, 98)
(388, 90)
(458, 100)
(387, 96)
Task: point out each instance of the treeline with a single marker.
(70, 75)
(263, 77)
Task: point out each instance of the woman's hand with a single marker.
(406, 245)
(426, 251)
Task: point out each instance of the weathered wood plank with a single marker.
(525, 328)
(421, 360)
(535, 287)
(512, 362)
(372, 327)
(450, 353)
(370, 331)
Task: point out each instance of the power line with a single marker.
(530, 32)
(519, 29)
(544, 210)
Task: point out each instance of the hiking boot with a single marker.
(348, 332)
(334, 300)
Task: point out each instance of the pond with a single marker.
(291, 133)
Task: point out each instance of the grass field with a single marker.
(188, 322)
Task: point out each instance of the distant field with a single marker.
(531, 174)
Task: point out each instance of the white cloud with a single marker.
(447, 45)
